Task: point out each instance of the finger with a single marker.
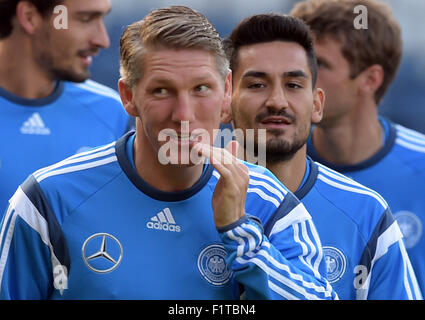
(233, 147)
(216, 155)
(229, 165)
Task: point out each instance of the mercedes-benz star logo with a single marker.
(109, 255)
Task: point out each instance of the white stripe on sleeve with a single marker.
(296, 215)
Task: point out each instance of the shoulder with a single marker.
(364, 206)
(79, 163)
(269, 199)
(101, 102)
(263, 183)
(93, 91)
(265, 192)
(68, 182)
(343, 188)
(410, 146)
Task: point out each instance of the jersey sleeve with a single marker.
(284, 264)
(32, 248)
(105, 104)
(385, 271)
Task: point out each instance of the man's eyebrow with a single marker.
(93, 12)
(289, 74)
(254, 74)
(160, 80)
(295, 74)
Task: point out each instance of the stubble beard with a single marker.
(48, 61)
(279, 149)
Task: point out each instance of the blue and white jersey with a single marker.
(362, 244)
(90, 227)
(397, 172)
(37, 133)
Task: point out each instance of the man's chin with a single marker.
(279, 150)
(275, 157)
(66, 75)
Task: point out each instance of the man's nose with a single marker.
(100, 37)
(277, 98)
(183, 109)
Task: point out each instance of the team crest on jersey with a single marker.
(335, 263)
(411, 227)
(212, 265)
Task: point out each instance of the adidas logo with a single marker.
(35, 125)
(163, 220)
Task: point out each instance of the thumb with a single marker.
(233, 148)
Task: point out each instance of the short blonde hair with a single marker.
(175, 27)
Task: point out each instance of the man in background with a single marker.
(48, 110)
(356, 67)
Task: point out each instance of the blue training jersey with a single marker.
(397, 172)
(90, 227)
(362, 244)
(39, 132)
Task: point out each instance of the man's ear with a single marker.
(28, 16)
(371, 79)
(226, 114)
(126, 94)
(318, 105)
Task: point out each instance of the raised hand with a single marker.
(230, 192)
